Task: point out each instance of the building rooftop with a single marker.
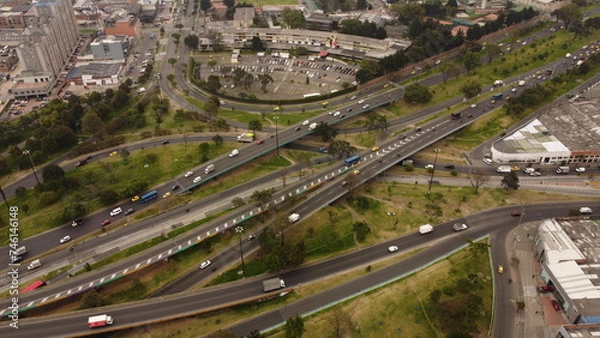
(96, 69)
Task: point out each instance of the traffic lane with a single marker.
(504, 310)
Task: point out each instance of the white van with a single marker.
(293, 218)
(585, 210)
(425, 229)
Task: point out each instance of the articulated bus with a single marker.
(352, 160)
(34, 286)
(311, 95)
(149, 196)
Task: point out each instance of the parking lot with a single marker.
(293, 78)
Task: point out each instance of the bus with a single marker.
(306, 96)
(352, 160)
(149, 196)
(34, 286)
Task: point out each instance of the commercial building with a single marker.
(569, 256)
(566, 133)
(110, 47)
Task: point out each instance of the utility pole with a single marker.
(26, 152)
(276, 118)
(436, 150)
(239, 230)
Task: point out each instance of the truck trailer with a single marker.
(503, 169)
(101, 320)
(273, 284)
(245, 137)
(562, 170)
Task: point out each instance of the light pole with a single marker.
(239, 230)
(276, 118)
(26, 152)
(78, 132)
(436, 150)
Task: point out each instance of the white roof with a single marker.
(574, 280)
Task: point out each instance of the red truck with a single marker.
(101, 320)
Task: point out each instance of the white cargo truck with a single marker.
(34, 264)
(209, 168)
(273, 284)
(503, 169)
(425, 229)
(293, 218)
(245, 137)
(562, 170)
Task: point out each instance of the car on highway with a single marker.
(129, 211)
(105, 222)
(515, 214)
(135, 198)
(116, 211)
(580, 170)
(353, 98)
(459, 227)
(114, 153)
(515, 168)
(204, 264)
(449, 166)
(65, 239)
(306, 123)
(234, 152)
(585, 210)
(337, 113)
(356, 172)
(261, 141)
(473, 106)
(366, 106)
(361, 101)
(197, 179)
(429, 166)
(167, 195)
(175, 187)
(393, 248)
(529, 171)
(297, 129)
(375, 148)
(555, 305)
(500, 269)
(488, 161)
(188, 174)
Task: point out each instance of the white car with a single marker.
(529, 171)
(488, 161)
(585, 210)
(116, 211)
(366, 106)
(361, 101)
(188, 174)
(197, 179)
(353, 97)
(514, 90)
(204, 264)
(459, 226)
(65, 239)
(393, 248)
(305, 123)
(429, 166)
(337, 113)
(580, 170)
(234, 152)
(473, 106)
(521, 83)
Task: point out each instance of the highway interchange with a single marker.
(389, 154)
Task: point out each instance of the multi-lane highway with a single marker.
(130, 315)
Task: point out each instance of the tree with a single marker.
(205, 5)
(204, 151)
(108, 196)
(192, 41)
(218, 140)
(326, 131)
(340, 323)
(213, 83)
(376, 122)
(124, 153)
(361, 5)
(91, 122)
(417, 93)
(492, 51)
(211, 108)
(568, 14)
(341, 149)
(294, 19)
(471, 60)
(254, 334)
(264, 80)
(477, 178)
(254, 125)
(237, 202)
(294, 327)
(91, 299)
(257, 45)
(409, 12)
(471, 89)
(52, 172)
(361, 230)
(262, 198)
(449, 69)
(510, 181)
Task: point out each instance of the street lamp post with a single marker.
(276, 118)
(239, 230)
(436, 150)
(26, 152)
(78, 132)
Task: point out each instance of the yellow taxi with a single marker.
(167, 195)
(114, 153)
(325, 104)
(356, 172)
(500, 269)
(135, 198)
(375, 148)
(276, 108)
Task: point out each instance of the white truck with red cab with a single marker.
(100, 320)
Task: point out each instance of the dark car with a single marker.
(515, 214)
(129, 211)
(80, 163)
(89, 157)
(545, 288)
(401, 137)
(297, 129)
(165, 142)
(555, 305)
(175, 187)
(449, 166)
